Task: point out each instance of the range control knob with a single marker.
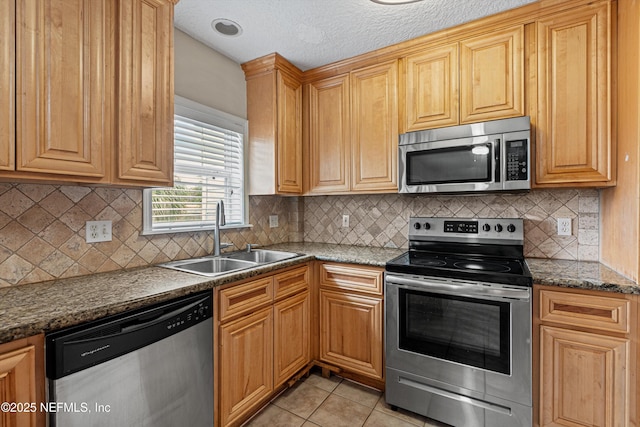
(511, 228)
(427, 226)
(498, 228)
(486, 227)
(417, 226)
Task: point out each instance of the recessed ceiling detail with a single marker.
(226, 27)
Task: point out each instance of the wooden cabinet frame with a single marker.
(585, 357)
(22, 380)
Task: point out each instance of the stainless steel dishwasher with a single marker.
(148, 367)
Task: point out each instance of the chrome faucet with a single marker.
(220, 220)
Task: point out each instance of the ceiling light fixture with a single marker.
(226, 27)
(394, 1)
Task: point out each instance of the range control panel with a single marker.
(461, 229)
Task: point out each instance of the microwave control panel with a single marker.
(517, 162)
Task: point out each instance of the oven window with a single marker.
(470, 331)
(469, 163)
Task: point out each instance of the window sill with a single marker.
(193, 229)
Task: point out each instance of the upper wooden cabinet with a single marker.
(66, 65)
(22, 381)
(145, 92)
(274, 110)
(7, 85)
(431, 88)
(476, 79)
(353, 134)
(374, 128)
(573, 135)
(62, 122)
(329, 135)
(492, 75)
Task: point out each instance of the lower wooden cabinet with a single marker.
(263, 340)
(351, 332)
(351, 316)
(22, 380)
(290, 337)
(246, 364)
(587, 358)
(585, 378)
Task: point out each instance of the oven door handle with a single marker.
(460, 288)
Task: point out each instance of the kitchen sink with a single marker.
(209, 266)
(261, 256)
(226, 263)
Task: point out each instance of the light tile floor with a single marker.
(334, 402)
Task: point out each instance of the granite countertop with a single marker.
(42, 307)
(580, 275)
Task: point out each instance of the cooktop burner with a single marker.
(484, 266)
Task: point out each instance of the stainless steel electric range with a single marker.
(458, 323)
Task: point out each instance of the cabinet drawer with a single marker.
(362, 279)
(245, 298)
(589, 311)
(291, 282)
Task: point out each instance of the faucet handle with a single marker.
(225, 245)
(251, 246)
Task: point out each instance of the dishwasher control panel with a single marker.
(78, 347)
(194, 315)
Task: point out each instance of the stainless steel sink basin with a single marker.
(209, 266)
(261, 256)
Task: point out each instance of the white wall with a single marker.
(208, 77)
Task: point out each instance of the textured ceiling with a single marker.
(310, 33)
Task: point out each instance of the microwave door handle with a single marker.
(496, 149)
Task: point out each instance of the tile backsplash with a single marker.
(42, 231)
(382, 220)
(42, 227)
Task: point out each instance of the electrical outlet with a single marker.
(273, 221)
(98, 231)
(564, 226)
(345, 221)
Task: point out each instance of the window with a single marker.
(208, 167)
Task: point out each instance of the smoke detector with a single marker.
(226, 27)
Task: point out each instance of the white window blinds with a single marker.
(208, 167)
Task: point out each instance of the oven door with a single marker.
(468, 164)
(465, 337)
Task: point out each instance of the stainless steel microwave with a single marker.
(487, 156)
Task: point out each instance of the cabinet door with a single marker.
(291, 339)
(289, 145)
(492, 76)
(585, 379)
(145, 99)
(574, 97)
(246, 364)
(7, 84)
(374, 128)
(63, 87)
(351, 332)
(431, 88)
(329, 123)
(22, 381)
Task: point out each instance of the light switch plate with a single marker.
(98, 231)
(345, 221)
(273, 221)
